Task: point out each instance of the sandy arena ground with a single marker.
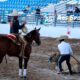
(38, 67)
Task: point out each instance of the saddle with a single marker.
(14, 38)
(11, 36)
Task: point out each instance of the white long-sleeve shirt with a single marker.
(65, 48)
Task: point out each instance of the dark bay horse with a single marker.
(8, 47)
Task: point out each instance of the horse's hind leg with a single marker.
(1, 57)
(20, 66)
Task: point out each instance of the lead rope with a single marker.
(76, 59)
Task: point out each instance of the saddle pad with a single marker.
(11, 36)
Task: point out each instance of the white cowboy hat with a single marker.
(15, 13)
(62, 37)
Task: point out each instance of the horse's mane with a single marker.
(29, 35)
(33, 36)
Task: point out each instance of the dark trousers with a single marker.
(64, 58)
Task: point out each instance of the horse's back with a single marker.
(4, 42)
(4, 38)
(3, 35)
(8, 46)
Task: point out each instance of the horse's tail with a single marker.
(6, 59)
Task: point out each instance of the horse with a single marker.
(7, 47)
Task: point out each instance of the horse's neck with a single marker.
(29, 40)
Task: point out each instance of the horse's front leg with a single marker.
(20, 67)
(25, 67)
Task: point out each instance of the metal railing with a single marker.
(47, 19)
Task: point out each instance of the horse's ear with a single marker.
(38, 29)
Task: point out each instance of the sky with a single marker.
(47, 30)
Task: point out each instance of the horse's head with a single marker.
(34, 35)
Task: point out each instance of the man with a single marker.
(76, 12)
(38, 15)
(26, 10)
(14, 29)
(65, 53)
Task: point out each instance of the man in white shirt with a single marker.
(65, 53)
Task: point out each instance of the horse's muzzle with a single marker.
(39, 43)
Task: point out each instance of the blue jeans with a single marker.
(64, 58)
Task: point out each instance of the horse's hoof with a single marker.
(25, 78)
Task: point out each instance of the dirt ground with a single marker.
(38, 66)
